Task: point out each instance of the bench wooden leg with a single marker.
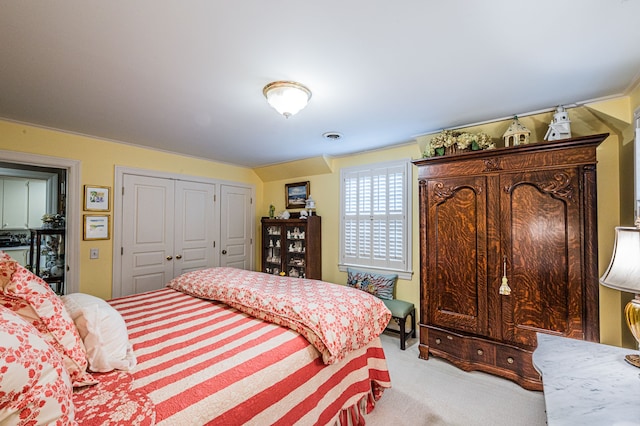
(413, 323)
(402, 323)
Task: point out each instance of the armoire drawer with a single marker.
(450, 343)
(516, 360)
(482, 352)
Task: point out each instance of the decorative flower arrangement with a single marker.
(52, 221)
(451, 142)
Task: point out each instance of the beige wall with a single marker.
(98, 160)
(325, 190)
(608, 117)
(99, 157)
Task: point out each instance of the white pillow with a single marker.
(103, 332)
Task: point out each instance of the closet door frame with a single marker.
(119, 173)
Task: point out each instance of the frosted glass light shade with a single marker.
(287, 97)
(624, 270)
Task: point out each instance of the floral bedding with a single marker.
(335, 319)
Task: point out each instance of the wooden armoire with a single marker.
(527, 213)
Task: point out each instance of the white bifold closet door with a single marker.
(168, 229)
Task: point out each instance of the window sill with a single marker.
(403, 275)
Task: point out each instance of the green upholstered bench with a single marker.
(383, 287)
(400, 310)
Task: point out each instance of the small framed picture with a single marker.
(96, 198)
(296, 194)
(96, 227)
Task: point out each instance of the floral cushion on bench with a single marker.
(379, 285)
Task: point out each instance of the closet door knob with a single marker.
(224, 252)
(169, 257)
(178, 256)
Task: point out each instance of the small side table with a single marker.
(587, 383)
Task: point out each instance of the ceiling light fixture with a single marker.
(287, 97)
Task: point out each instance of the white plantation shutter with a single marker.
(375, 216)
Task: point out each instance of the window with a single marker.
(375, 217)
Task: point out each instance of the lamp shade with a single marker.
(624, 270)
(287, 97)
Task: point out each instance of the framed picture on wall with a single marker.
(96, 227)
(96, 198)
(296, 194)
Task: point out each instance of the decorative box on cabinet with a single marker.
(292, 246)
(527, 213)
(47, 258)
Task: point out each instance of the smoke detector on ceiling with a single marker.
(332, 136)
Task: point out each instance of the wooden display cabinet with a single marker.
(47, 257)
(292, 247)
(527, 213)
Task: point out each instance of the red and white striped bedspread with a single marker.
(202, 362)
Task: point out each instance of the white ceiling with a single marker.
(186, 76)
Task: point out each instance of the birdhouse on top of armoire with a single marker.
(516, 134)
(560, 126)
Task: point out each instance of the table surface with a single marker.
(587, 383)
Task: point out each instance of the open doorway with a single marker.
(33, 219)
(49, 249)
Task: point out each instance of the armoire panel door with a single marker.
(541, 240)
(457, 240)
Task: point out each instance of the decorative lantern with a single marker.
(560, 126)
(516, 134)
(310, 205)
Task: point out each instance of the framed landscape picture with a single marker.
(296, 194)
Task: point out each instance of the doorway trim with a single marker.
(73, 168)
(119, 173)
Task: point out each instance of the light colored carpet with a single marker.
(434, 392)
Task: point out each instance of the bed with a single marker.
(203, 361)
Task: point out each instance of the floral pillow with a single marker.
(379, 285)
(32, 298)
(35, 388)
(7, 268)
